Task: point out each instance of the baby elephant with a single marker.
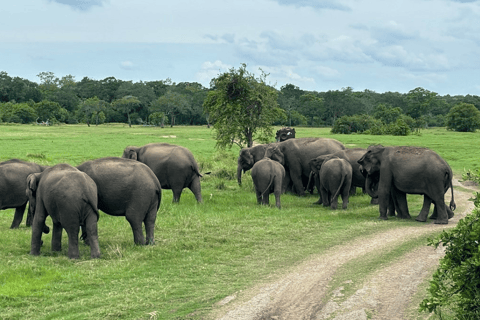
(335, 178)
(69, 197)
(268, 176)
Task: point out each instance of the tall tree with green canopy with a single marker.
(242, 108)
(126, 105)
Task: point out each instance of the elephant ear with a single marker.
(130, 153)
(32, 182)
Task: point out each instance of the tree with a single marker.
(242, 107)
(386, 113)
(463, 117)
(172, 104)
(92, 108)
(50, 111)
(126, 105)
(419, 102)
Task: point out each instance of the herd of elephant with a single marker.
(129, 186)
(387, 174)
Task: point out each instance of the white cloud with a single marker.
(210, 70)
(127, 65)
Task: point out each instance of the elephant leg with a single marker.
(345, 196)
(422, 216)
(324, 196)
(149, 222)
(277, 200)
(57, 236)
(442, 215)
(176, 194)
(449, 212)
(196, 189)
(401, 205)
(92, 231)
(374, 201)
(297, 182)
(334, 203)
(266, 198)
(353, 190)
(17, 218)
(136, 225)
(72, 232)
(38, 223)
(259, 197)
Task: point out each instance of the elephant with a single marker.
(13, 177)
(334, 178)
(296, 154)
(268, 176)
(127, 188)
(69, 197)
(174, 166)
(352, 156)
(284, 134)
(248, 157)
(411, 170)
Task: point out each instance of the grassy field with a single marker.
(204, 252)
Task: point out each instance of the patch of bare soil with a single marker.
(306, 292)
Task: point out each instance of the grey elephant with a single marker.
(296, 155)
(174, 166)
(284, 134)
(334, 177)
(411, 170)
(248, 157)
(13, 177)
(127, 188)
(69, 197)
(268, 176)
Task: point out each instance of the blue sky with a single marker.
(315, 44)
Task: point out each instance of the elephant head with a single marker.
(372, 160)
(273, 152)
(285, 134)
(370, 169)
(130, 153)
(245, 163)
(316, 163)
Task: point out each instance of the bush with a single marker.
(463, 117)
(455, 287)
(357, 123)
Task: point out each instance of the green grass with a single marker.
(203, 252)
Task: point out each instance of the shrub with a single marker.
(463, 117)
(456, 285)
(357, 123)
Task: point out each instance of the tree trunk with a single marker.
(129, 122)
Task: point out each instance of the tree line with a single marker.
(164, 102)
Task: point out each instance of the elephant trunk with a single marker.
(239, 174)
(370, 186)
(311, 179)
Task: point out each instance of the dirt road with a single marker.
(307, 293)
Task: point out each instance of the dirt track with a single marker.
(386, 294)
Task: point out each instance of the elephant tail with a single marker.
(339, 188)
(269, 184)
(453, 206)
(195, 169)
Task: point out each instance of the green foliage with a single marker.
(157, 119)
(242, 108)
(126, 105)
(455, 287)
(171, 104)
(355, 124)
(17, 113)
(386, 113)
(456, 284)
(463, 117)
